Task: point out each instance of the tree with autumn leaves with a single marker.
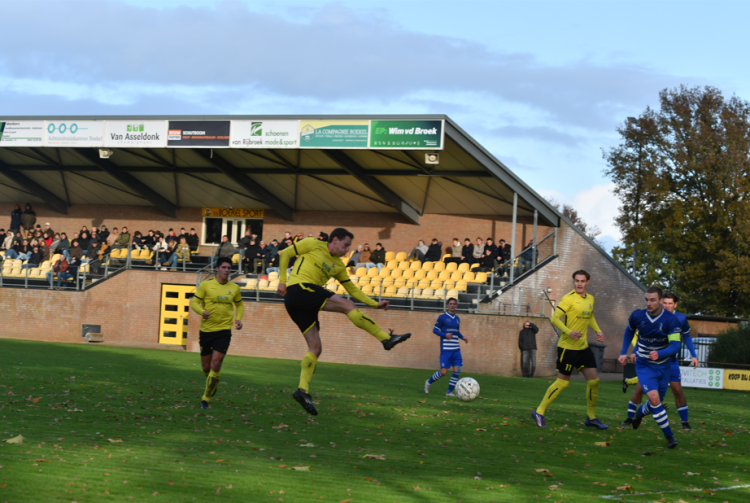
(682, 174)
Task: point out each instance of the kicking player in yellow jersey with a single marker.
(577, 307)
(215, 301)
(304, 296)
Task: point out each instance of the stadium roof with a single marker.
(467, 181)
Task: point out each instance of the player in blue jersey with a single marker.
(447, 328)
(668, 302)
(658, 339)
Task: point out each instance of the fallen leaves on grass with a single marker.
(602, 444)
(553, 488)
(300, 468)
(115, 440)
(690, 474)
(282, 425)
(374, 456)
(35, 400)
(15, 440)
(481, 429)
(627, 487)
(541, 470)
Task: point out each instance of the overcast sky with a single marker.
(542, 85)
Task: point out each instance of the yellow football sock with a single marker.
(308, 368)
(361, 320)
(212, 382)
(205, 373)
(550, 395)
(631, 381)
(592, 394)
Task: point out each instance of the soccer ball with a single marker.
(467, 389)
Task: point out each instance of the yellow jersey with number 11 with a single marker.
(574, 314)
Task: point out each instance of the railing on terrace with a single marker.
(505, 276)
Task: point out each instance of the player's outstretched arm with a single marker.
(357, 294)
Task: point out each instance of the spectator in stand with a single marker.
(47, 229)
(262, 256)
(273, 256)
(193, 240)
(92, 254)
(84, 240)
(365, 259)
(28, 219)
(287, 235)
(138, 240)
(71, 273)
(378, 256)
(94, 236)
(123, 240)
(35, 258)
(60, 267)
(309, 234)
(434, 251)
(48, 238)
(183, 250)
(15, 219)
(455, 252)
(8, 241)
(243, 243)
(467, 252)
(18, 250)
(2, 239)
(169, 256)
(149, 240)
(354, 259)
(114, 236)
(44, 250)
(159, 247)
(54, 247)
(182, 234)
(299, 237)
(226, 249)
(250, 251)
(491, 245)
(292, 260)
(419, 251)
(104, 233)
(527, 345)
(75, 252)
(478, 250)
(487, 262)
(504, 251)
(64, 246)
(84, 229)
(171, 236)
(323, 236)
(526, 258)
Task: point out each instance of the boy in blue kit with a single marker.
(658, 339)
(447, 328)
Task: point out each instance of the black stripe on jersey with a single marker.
(300, 264)
(295, 248)
(561, 309)
(196, 297)
(345, 281)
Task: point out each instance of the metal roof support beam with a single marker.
(131, 182)
(258, 191)
(390, 197)
(31, 186)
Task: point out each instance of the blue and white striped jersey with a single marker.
(653, 333)
(448, 324)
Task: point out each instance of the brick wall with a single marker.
(127, 306)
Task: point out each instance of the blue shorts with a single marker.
(450, 359)
(653, 377)
(675, 375)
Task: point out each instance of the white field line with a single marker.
(693, 490)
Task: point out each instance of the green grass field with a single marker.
(112, 424)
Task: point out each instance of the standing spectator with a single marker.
(527, 345)
(35, 258)
(103, 233)
(434, 251)
(60, 267)
(419, 251)
(28, 219)
(467, 252)
(15, 219)
(123, 240)
(193, 240)
(261, 258)
(378, 256)
(250, 251)
(364, 258)
(226, 249)
(455, 252)
(478, 250)
(243, 243)
(183, 250)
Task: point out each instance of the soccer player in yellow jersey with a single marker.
(577, 308)
(215, 301)
(304, 296)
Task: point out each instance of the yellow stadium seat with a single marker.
(340, 290)
(444, 276)
(445, 256)
(273, 275)
(403, 266)
(373, 272)
(428, 266)
(401, 256)
(399, 283)
(440, 293)
(464, 267)
(453, 293)
(426, 293)
(403, 292)
(251, 284)
(415, 266)
(449, 284)
(353, 279)
(390, 256)
(55, 257)
(407, 274)
(416, 292)
(387, 282)
(367, 290)
(432, 275)
(35, 272)
(391, 291)
(391, 264)
(436, 284)
(361, 271)
(271, 287)
(423, 283)
(451, 267)
(456, 276)
(384, 272)
(235, 258)
(439, 266)
(395, 273)
(480, 277)
(421, 274)
(475, 266)
(461, 286)
(263, 284)
(85, 268)
(469, 277)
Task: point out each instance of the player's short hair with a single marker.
(670, 295)
(581, 272)
(501, 241)
(467, 239)
(378, 244)
(455, 239)
(223, 260)
(451, 299)
(657, 291)
(340, 233)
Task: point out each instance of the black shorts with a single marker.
(303, 302)
(214, 341)
(568, 359)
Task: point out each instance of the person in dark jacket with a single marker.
(249, 255)
(71, 273)
(527, 345)
(487, 262)
(434, 251)
(74, 252)
(527, 258)
(15, 219)
(192, 240)
(28, 219)
(83, 241)
(35, 258)
(378, 256)
(261, 258)
(504, 251)
(467, 252)
(226, 249)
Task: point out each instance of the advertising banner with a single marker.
(333, 134)
(192, 134)
(265, 134)
(737, 379)
(232, 213)
(21, 134)
(702, 377)
(142, 134)
(73, 133)
(405, 135)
